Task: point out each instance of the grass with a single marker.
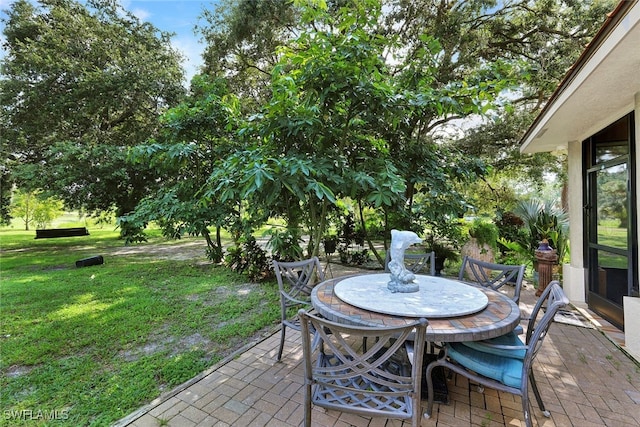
(88, 346)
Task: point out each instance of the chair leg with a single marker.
(536, 392)
(429, 378)
(307, 406)
(282, 333)
(525, 408)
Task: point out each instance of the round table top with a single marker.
(436, 296)
(500, 316)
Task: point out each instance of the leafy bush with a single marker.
(330, 244)
(249, 259)
(485, 233)
(215, 253)
(351, 257)
(510, 226)
(132, 229)
(285, 245)
(541, 220)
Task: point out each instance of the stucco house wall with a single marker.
(601, 87)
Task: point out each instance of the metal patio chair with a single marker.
(295, 281)
(491, 275)
(504, 363)
(416, 263)
(339, 375)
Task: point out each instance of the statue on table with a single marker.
(402, 280)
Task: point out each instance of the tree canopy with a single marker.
(341, 120)
(304, 109)
(536, 40)
(79, 84)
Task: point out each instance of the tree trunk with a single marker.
(366, 235)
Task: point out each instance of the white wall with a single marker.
(632, 305)
(574, 283)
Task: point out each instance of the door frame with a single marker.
(611, 311)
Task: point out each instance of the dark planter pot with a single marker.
(330, 246)
(439, 264)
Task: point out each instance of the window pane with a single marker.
(611, 280)
(613, 218)
(607, 152)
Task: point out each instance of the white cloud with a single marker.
(141, 14)
(192, 52)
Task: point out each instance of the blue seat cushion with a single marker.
(506, 370)
(510, 339)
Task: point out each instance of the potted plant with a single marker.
(330, 244)
(444, 239)
(442, 253)
(541, 221)
(485, 233)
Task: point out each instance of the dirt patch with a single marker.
(183, 251)
(193, 250)
(17, 371)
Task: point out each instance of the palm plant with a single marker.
(542, 220)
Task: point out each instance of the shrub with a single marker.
(485, 233)
(541, 220)
(249, 259)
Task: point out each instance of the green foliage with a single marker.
(241, 39)
(342, 122)
(541, 220)
(510, 225)
(355, 109)
(249, 259)
(35, 209)
(194, 136)
(132, 229)
(511, 230)
(215, 254)
(443, 251)
(613, 198)
(81, 82)
(6, 189)
(286, 245)
(542, 39)
(352, 257)
(330, 244)
(485, 233)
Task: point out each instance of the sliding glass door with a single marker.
(609, 220)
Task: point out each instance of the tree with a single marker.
(356, 106)
(79, 85)
(193, 136)
(242, 38)
(537, 41)
(545, 38)
(341, 124)
(33, 208)
(6, 188)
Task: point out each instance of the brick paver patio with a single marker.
(584, 377)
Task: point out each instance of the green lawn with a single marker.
(90, 345)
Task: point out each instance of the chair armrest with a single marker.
(294, 300)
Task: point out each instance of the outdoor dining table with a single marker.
(456, 311)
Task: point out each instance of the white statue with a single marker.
(402, 280)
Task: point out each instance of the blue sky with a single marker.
(179, 17)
